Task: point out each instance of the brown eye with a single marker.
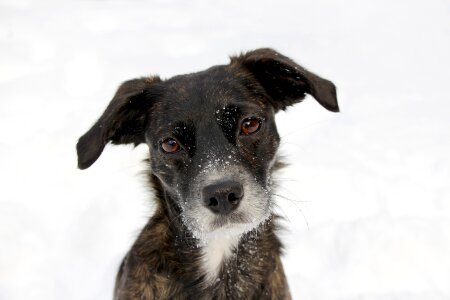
(250, 126)
(169, 145)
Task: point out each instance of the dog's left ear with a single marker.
(284, 81)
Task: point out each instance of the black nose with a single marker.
(223, 197)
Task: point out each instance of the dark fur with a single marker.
(165, 261)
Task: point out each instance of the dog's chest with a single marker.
(214, 253)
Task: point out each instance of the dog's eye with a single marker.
(250, 125)
(170, 145)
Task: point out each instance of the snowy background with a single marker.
(369, 215)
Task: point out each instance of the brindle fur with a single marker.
(165, 262)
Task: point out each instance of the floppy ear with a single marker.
(284, 81)
(123, 121)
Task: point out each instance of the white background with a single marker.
(370, 187)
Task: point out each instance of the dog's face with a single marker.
(212, 135)
(212, 143)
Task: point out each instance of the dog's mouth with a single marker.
(229, 220)
(248, 216)
(224, 228)
(235, 225)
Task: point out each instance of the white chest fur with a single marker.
(215, 251)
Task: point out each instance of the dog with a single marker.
(213, 144)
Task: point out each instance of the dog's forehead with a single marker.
(204, 92)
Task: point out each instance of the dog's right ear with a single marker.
(123, 121)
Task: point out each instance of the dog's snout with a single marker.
(223, 197)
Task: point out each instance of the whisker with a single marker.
(286, 198)
(175, 219)
(285, 216)
(299, 209)
(290, 192)
(284, 179)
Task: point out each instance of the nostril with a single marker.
(232, 198)
(213, 202)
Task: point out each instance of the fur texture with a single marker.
(212, 142)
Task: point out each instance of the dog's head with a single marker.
(212, 135)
